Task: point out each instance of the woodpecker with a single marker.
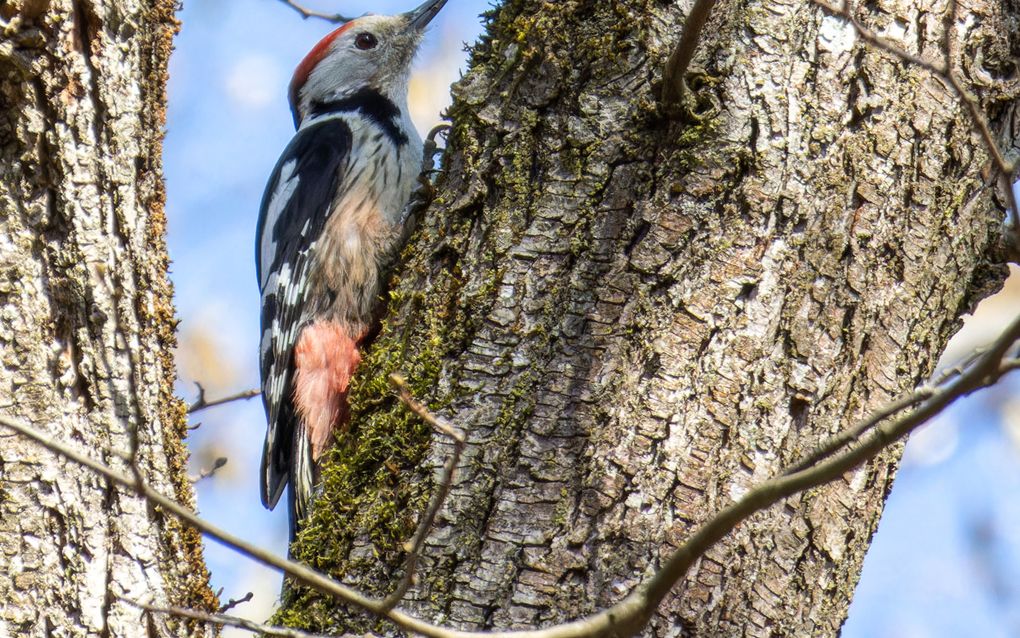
(332, 217)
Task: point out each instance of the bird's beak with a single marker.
(418, 18)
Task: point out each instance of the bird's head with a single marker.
(370, 52)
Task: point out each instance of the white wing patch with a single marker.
(285, 189)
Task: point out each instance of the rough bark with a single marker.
(87, 323)
(636, 318)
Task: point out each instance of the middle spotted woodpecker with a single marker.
(331, 219)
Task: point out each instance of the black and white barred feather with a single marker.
(297, 202)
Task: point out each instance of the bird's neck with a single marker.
(370, 103)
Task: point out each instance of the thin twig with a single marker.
(445, 483)
(335, 18)
(223, 620)
(923, 393)
(878, 41)
(673, 76)
(439, 423)
(201, 403)
(959, 366)
(209, 471)
(851, 434)
(234, 602)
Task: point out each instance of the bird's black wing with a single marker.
(297, 202)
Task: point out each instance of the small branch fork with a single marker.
(234, 602)
(627, 617)
(202, 403)
(335, 18)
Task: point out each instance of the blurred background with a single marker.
(945, 559)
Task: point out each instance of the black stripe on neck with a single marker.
(373, 105)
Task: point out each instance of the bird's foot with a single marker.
(425, 191)
(431, 148)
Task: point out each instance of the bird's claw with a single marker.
(425, 191)
(431, 148)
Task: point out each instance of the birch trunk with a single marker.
(636, 318)
(87, 322)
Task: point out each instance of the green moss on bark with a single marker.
(503, 149)
(187, 586)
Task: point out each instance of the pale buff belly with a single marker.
(353, 251)
(359, 240)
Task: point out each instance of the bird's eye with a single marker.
(365, 41)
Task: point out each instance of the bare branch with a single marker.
(209, 471)
(837, 442)
(297, 571)
(673, 76)
(201, 403)
(445, 483)
(844, 438)
(986, 370)
(631, 614)
(601, 624)
(623, 619)
(234, 602)
(223, 620)
(335, 18)
(959, 366)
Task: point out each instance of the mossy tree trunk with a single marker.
(86, 322)
(637, 318)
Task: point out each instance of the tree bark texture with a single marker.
(637, 317)
(87, 322)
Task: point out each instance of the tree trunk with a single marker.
(637, 318)
(87, 326)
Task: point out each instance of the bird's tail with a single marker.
(302, 478)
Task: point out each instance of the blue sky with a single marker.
(949, 544)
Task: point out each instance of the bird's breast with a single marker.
(363, 229)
